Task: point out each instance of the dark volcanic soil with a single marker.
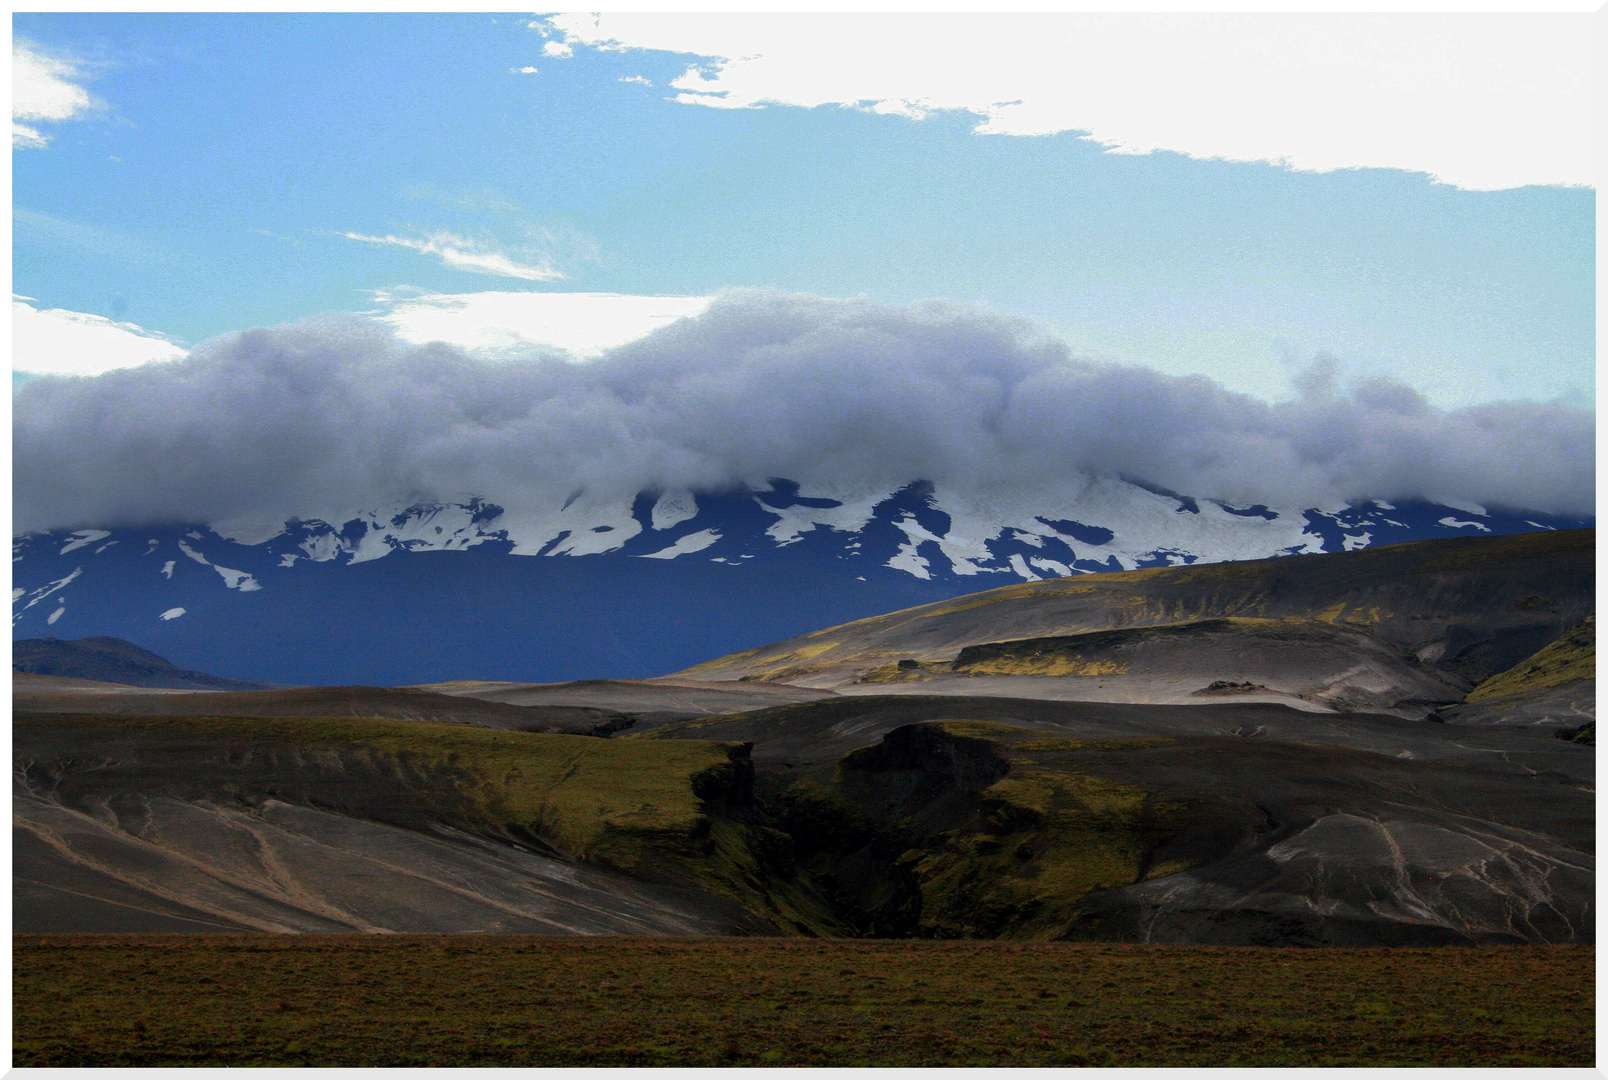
(915, 803)
(648, 701)
(325, 825)
(367, 1001)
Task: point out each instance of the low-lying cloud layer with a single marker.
(323, 417)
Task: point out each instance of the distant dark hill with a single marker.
(1448, 612)
(330, 701)
(113, 660)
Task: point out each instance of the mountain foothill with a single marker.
(1390, 744)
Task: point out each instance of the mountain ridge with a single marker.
(632, 587)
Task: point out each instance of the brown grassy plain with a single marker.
(324, 1000)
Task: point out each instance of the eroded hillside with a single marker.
(1422, 622)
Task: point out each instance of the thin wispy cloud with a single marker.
(93, 240)
(44, 89)
(465, 253)
(1481, 101)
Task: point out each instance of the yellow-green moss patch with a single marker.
(1073, 833)
(1135, 742)
(894, 672)
(1572, 657)
(590, 797)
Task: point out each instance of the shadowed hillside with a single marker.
(1225, 824)
(1556, 685)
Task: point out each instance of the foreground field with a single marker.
(326, 1000)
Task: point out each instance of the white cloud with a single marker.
(58, 342)
(25, 137)
(464, 253)
(558, 49)
(495, 324)
(1482, 101)
(522, 71)
(42, 90)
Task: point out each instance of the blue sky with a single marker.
(229, 168)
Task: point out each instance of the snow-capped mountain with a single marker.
(588, 587)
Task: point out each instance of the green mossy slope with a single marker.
(1573, 656)
(664, 810)
(586, 796)
(956, 829)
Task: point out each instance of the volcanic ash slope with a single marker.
(1401, 628)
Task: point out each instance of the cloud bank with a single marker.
(323, 417)
(1481, 101)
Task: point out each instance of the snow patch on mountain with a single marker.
(250, 530)
(847, 508)
(581, 525)
(232, 579)
(83, 538)
(1140, 522)
(1020, 566)
(686, 545)
(674, 507)
(43, 591)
